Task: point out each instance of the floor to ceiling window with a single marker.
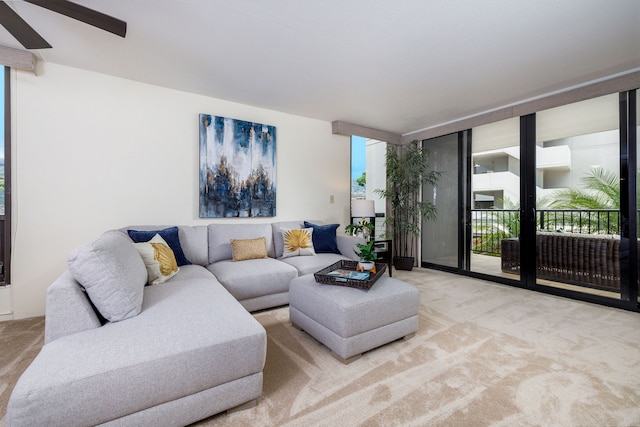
(495, 196)
(543, 201)
(5, 195)
(637, 138)
(368, 173)
(578, 196)
(634, 116)
(5, 150)
(442, 245)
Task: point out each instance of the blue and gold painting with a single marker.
(237, 168)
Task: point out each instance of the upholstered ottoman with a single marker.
(351, 321)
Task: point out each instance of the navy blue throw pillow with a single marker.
(324, 238)
(170, 235)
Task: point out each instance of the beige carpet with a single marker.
(20, 342)
(484, 354)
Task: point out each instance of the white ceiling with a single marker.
(394, 65)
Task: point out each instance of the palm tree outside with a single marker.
(599, 197)
(592, 209)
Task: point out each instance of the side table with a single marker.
(384, 249)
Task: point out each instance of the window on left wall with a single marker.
(368, 174)
(5, 177)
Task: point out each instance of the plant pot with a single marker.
(403, 263)
(366, 265)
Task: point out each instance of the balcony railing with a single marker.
(595, 221)
(490, 226)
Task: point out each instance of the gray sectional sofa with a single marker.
(118, 352)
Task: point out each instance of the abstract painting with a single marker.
(237, 168)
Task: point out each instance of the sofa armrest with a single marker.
(346, 244)
(68, 309)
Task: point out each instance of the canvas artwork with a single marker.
(237, 168)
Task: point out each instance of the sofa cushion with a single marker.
(113, 274)
(324, 237)
(297, 242)
(159, 259)
(188, 272)
(170, 235)
(255, 277)
(244, 249)
(194, 242)
(220, 235)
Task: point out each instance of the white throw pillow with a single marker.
(297, 242)
(159, 259)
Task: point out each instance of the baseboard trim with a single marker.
(5, 317)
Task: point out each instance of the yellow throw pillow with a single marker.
(159, 259)
(243, 249)
(297, 242)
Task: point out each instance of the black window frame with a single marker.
(5, 220)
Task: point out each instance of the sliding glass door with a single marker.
(545, 201)
(442, 246)
(577, 172)
(494, 210)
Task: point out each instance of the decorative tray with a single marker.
(344, 273)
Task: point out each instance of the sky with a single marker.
(358, 156)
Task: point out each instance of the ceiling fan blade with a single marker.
(27, 36)
(84, 14)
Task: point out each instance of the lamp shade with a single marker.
(363, 208)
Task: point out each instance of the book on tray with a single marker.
(349, 274)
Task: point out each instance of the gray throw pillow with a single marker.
(113, 274)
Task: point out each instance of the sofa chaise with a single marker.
(118, 352)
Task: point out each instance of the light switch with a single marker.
(331, 200)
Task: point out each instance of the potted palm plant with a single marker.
(407, 171)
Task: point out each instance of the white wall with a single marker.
(93, 152)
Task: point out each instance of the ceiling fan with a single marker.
(30, 39)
